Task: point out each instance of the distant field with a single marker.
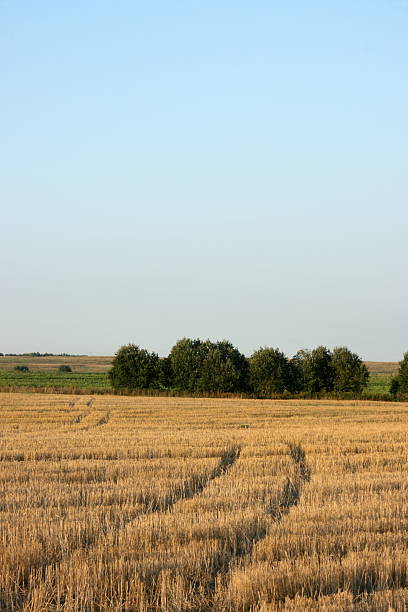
(135, 504)
(91, 373)
(382, 367)
(49, 364)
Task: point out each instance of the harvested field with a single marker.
(78, 363)
(382, 367)
(175, 504)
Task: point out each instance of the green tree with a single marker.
(394, 386)
(223, 368)
(402, 375)
(295, 375)
(317, 372)
(135, 368)
(185, 361)
(208, 366)
(350, 373)
(269, 372)
(165, 373)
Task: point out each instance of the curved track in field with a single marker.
(234, 550)
(288, 497)
(189, 489)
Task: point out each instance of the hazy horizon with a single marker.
(64, 353)
(222, 170)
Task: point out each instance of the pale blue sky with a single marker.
(223, 169)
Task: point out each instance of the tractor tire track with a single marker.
(195, 485)
(187, 490)
(292, 488)
(236, 549)
(77, 419)
(104, 420)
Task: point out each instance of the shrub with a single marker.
(22, 368)
(65, 368)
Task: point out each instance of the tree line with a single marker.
(197, 366)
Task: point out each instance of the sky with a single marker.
(219, 169)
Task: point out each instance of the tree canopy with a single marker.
(208, 366)
(350, 373)
(185, 360)
(315, 369)
(135, 368)
(269, 372)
